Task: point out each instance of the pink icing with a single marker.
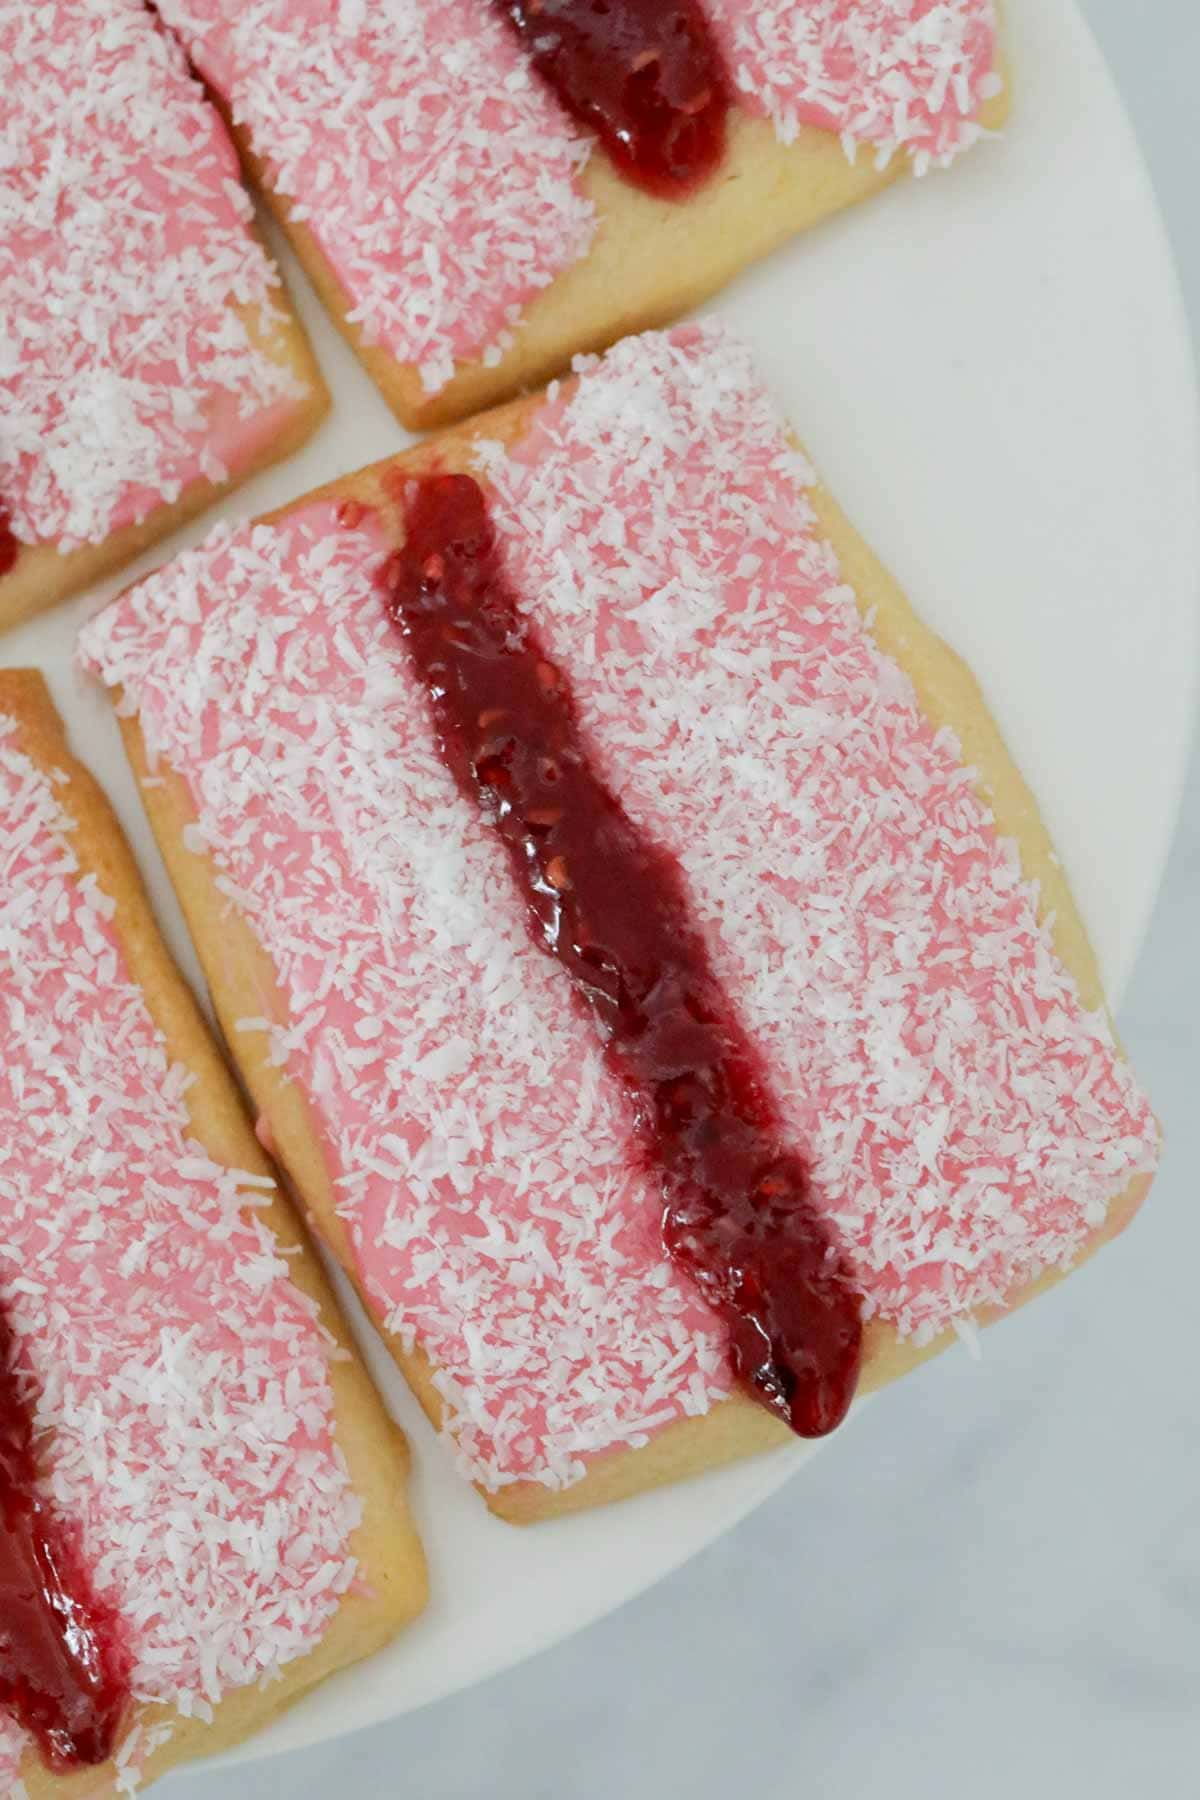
(436, 173)
(908, 75)
(439, 176)
(125, 242)
(968, 1123)
(482, 1157)
(182, 1379)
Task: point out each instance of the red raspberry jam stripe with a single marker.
(9, 548)
(611, 907)
(63, 1670)
(645, 75)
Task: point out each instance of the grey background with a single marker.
(932, 1611)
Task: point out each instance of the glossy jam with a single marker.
(645, 76)
(9, 547)
(611, 907)
(62, 1670)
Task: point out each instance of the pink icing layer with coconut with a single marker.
(181, 1379)
(481, 1157)
(968, 1123)
(127, 371)
(905, 76)
(436, 173)
(439, 176)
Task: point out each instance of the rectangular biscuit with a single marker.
(214, 1443)
(151, 360)
(467, 237)
(869, 871)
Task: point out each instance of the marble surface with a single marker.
(938, 1608)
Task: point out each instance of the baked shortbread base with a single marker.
(243, 985)
(395, 1587)
(43, 575)
(651, 261)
